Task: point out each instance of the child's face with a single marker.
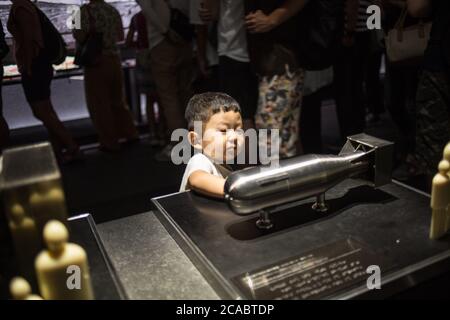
(223, 136)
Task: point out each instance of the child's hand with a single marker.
(207, 184)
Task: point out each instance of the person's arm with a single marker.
(149, 12)
(207, 184)
(119, 26)
(201, 30)
(351, 18)
(129, 42)
(351, 12)
(419, 8)
(80, 35)
(258, 22)
(209, 10)
(202, 41)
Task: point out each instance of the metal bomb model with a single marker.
(263, 188)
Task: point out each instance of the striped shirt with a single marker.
(363, 16)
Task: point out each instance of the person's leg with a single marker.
(237, 80)
(4, 129)
(433, 120)
(99, 105)
(359, 61)
(342, 81)
(44, 111)
(163, 61)
(38, 94)
(4, 132)
(396, 99)
(311, 123)
(151, 117)
(373, 84)
(401, 88)
(276, 110)
(122, 119)
(185, 75)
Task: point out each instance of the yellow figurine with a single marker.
(440, 200)
(447, 152)
(26, 239)
(48, 204)
(62, 271)
(20, 290)
(447, 157)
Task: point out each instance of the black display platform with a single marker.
(307, 254)
(105, 282)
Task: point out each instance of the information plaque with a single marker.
(313, 275)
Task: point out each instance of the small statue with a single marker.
(20, 290)
(26, 239)
(440, 201)
(447, 157)
(62, 270)
(48, 204)
(447, 152)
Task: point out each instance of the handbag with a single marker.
(88, 53)
(407, 45)
(55, 48)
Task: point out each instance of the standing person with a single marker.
(207, 57)
(401, 84)
(4, 129)
(25, 25)
(272, 47)
(372, 82)
(236, 77)
(350, 66)
(103, 81)
(311, 115)
(433, 94)
(137, 38)
(171, 63)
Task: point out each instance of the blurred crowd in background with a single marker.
(276, 58)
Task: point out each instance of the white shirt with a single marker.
(211, 53)
(157, 15)
(196, 163)
(232, 36)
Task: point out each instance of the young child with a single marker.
(220, 142)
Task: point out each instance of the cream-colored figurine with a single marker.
(24, 233)
(48, 204)
(447, 157)
(447, 152)
(20, 290)
(440, 201)
(62, 270)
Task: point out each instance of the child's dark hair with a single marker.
(203, 106)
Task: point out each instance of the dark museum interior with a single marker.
(224, 149)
